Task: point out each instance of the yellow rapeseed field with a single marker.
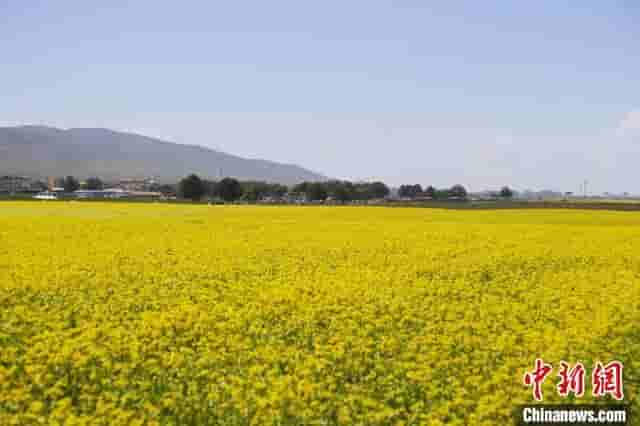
(159, 314)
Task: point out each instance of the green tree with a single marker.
(317, 191)
(278, 190)
(301, 188)
(59, 182)
(254, 191)
(441, 194)
(258, 190)
(191, 187)
(506, 192)
(378, 190)
(458, 191)
(251, 193)
(166, 189)
(71, 184)
(430, 192)
(94, 184)
(410, 191)
(210, 188)
(343, 191)
(313, 191)
(340, 190)
(229, 189)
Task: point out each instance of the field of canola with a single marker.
(156, 314)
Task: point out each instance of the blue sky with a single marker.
(533, 94)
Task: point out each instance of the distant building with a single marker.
(137, 184)
(485, 196)
(10, 184)
(271, 200)
(46, 195)
(101, 193)
(115, 193)
(154, 195)
(13, 184)
(539, 195)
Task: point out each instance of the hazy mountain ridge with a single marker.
(41, 151)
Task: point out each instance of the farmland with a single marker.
(161, 314)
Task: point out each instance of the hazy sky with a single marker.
(538, 94)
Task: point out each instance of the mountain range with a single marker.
(40, 151)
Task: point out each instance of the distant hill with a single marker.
(40, 151)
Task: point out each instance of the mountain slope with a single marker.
(40, 151)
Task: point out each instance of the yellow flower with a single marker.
(171, 314)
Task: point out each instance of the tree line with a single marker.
(456, 192)
(70, 184)
(230, 189)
